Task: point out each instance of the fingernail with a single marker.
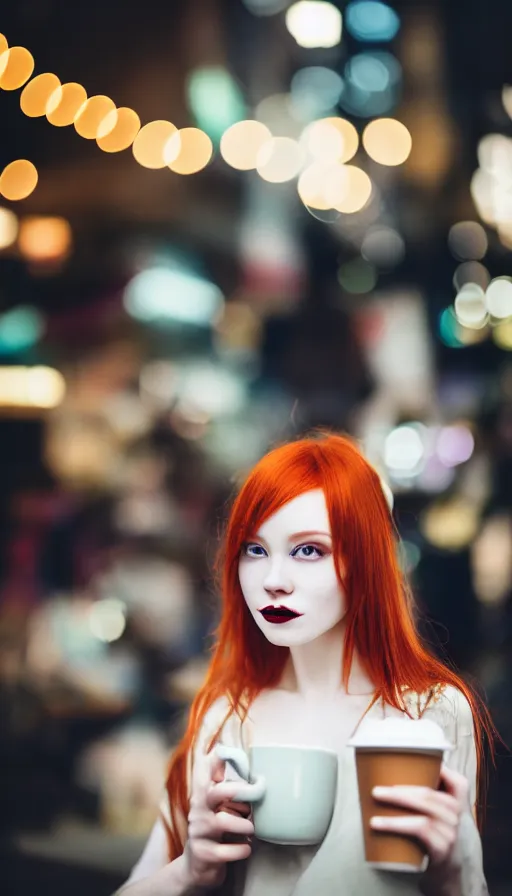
(380, 791)
(377, 821)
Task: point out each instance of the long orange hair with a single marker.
(379, 622)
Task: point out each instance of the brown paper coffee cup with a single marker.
(382, 769)
(394, 752)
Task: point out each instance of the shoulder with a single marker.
(216, 713)
(220, 721)
(445, 704)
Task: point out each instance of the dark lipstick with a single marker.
(278, 615)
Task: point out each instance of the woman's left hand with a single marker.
(438, 813)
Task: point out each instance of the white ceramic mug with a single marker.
(292, 789)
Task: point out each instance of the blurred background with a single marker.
(224, 222)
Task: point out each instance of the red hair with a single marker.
(377, 595)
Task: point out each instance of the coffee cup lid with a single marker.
(411, 734)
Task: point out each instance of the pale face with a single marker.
(288, 564)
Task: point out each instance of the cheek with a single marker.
(325, 591)
(318, 578)
(249, 578)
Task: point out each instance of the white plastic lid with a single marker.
(407, 733)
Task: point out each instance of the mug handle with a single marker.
(251, 791)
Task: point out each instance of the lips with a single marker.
(278, 615)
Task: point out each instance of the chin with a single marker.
(289, 639)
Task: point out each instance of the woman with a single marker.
(311, 532)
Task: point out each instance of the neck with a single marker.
(314, 670)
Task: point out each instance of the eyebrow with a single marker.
(307, 533)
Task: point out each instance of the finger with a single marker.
(215, 825)
(225, 823)
(456, 784)
(242, 809)
(210, 852)
(224, 792)
(423, 800)
(438, 838)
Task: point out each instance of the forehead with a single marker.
(306, 512)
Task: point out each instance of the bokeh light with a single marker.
(8, 227)
(372, 83)
(331, 140)
(502, 335)
(279, 160)
(387, 141)
(277, 113)
(314, 23)
(506, 98)
(468, 241)
(493, 200)
(435, 477)
(404, 451)
(92, 116)
(149, 144)
(449, 329)
(353, 190)
(210, 389)
(345, 188)
(491, 559)
(499, 297)
(16, 67)
(368, 72)
(44, 238)
(456, 335)
(242, 142)
(18, 180)
(495, 157)
(107, 619)
(315, 186)
(383, 246)
(357, 276)
(215, 99)
(20, 328)
(470, 306)
(314, 91)
(64, 104)
(450, 524)
(162, 295)
(121, 136)
(454, 445)
(188, 151)
(473, 335)
(371, 21)
(471, 272)
(504, 232)
(34, 97)
(36, 387)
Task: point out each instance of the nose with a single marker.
(277, 581)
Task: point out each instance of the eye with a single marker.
(250, 549)
(309, 552)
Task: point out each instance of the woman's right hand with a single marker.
(218, 829)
